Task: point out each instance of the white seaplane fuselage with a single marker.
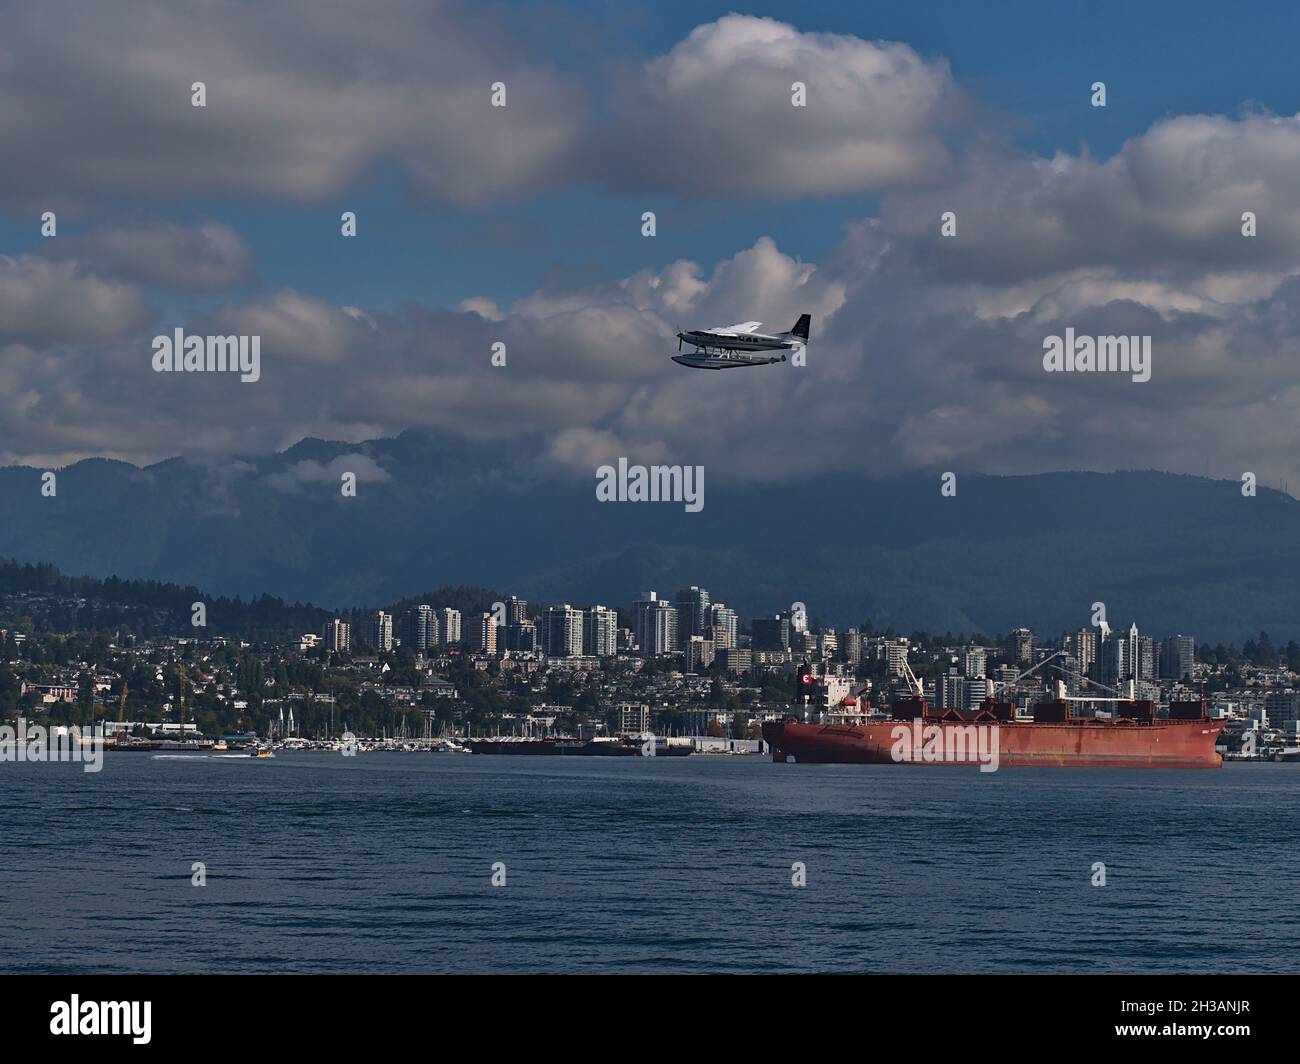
(736, 346)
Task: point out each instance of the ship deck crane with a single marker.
(912, 681)
(1120, 697)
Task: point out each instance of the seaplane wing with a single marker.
(742, 327)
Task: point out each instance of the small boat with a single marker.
(263, 751)
(220, 746)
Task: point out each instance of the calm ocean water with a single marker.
(383, 863)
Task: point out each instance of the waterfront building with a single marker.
(633, 718)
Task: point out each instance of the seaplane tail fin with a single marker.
(801, 327)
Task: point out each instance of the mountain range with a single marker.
(1175, 553)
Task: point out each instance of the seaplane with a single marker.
(729, 346)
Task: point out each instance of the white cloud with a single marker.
(199, 258)
(48, 302)
(303, 101)
(306, 473)
(714, 114)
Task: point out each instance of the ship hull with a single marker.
(1090, 744)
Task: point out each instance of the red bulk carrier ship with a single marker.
(915, 733)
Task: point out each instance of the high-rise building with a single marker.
(771, 633)
(735, 660)
(895, 652)
(600, 632)
(698, 652)
(656, 625)
(952, 690)
(487, 634)
(338, 635)
(1020, 645)
(1132, 652)
(726, 626)
(381, 631)
(1146, 658)
(693, 612)
(520, 638)
(852, 648)
(1083, 646)
(449, 625)
(976, 663)
(516, 610)
(562, 632)
(1177, 656)
(420, 629)
(978, 688)
(633, 718)
(804, 642)
(963, 692)
(1116, 659)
